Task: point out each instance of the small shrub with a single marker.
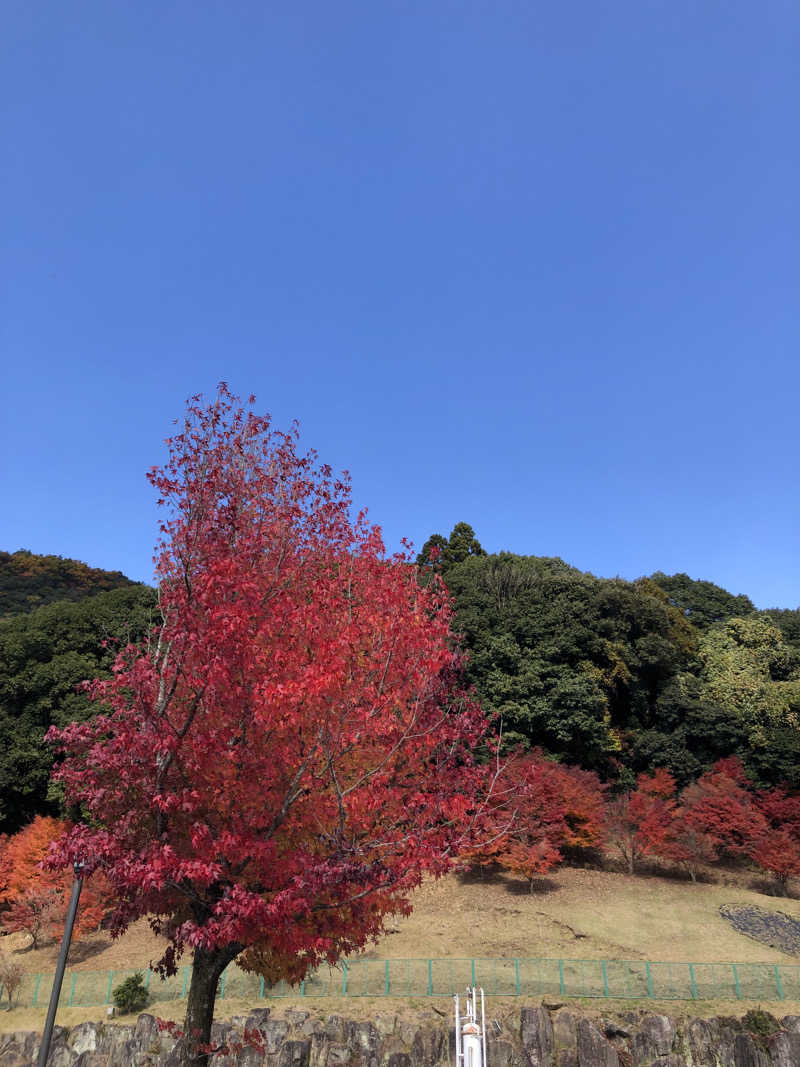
(760, 1024)
(11, 975)
(131, 995)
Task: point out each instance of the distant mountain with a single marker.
(28, 581)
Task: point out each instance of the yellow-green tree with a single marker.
(749, 668)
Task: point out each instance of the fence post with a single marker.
(387, 982)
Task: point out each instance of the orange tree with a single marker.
(278, 767)
(35, 899)
(582, 797)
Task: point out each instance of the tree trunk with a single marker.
(207, 966)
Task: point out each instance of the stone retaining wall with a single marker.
(537, 1036)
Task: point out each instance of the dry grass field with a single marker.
(573, 913)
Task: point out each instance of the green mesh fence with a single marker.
(361, 977)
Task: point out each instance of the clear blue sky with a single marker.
(530, 265)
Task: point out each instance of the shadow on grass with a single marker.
(490, 875)
(520, 887)
(516, 886)
(769, 887)
(80, 951)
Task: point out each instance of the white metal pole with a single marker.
(483, 1028)
(458, 1033)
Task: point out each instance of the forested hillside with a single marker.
(624, 677)
(614, 676)
(29, 581)
(45, 654)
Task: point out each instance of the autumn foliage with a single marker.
(34, 899)
(290, 752)
(279, 766)
(545, 811)
(720, 806)
(638, 821)
(583, 798)
(523, 829)
(539, 809)
(778, 853)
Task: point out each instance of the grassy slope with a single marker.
(584, 914)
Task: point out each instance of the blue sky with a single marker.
(532, 266)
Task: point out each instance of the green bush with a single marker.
(131, 995)
(760, 1025)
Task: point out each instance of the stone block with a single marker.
(537, 1037)
(653, 1037)
(784, 1048)
(746, 1053)
(295, 1054)
(593, 1048)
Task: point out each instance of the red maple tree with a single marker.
(781, 808)
(523, 827)
(720, 807)
(638, 821)
(287, 757)
(687, 845)
(34, 899)
(582, 798)
(777, 852)
(777, 849)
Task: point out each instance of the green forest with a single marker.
(615, 676)
(45, 653)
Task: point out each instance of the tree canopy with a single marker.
(441, 553)
(44, 657)
(703, 603)
(282, 761)
(569, 661)
(28, 581)
(625, 677)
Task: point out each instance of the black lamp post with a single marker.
(55, 992)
